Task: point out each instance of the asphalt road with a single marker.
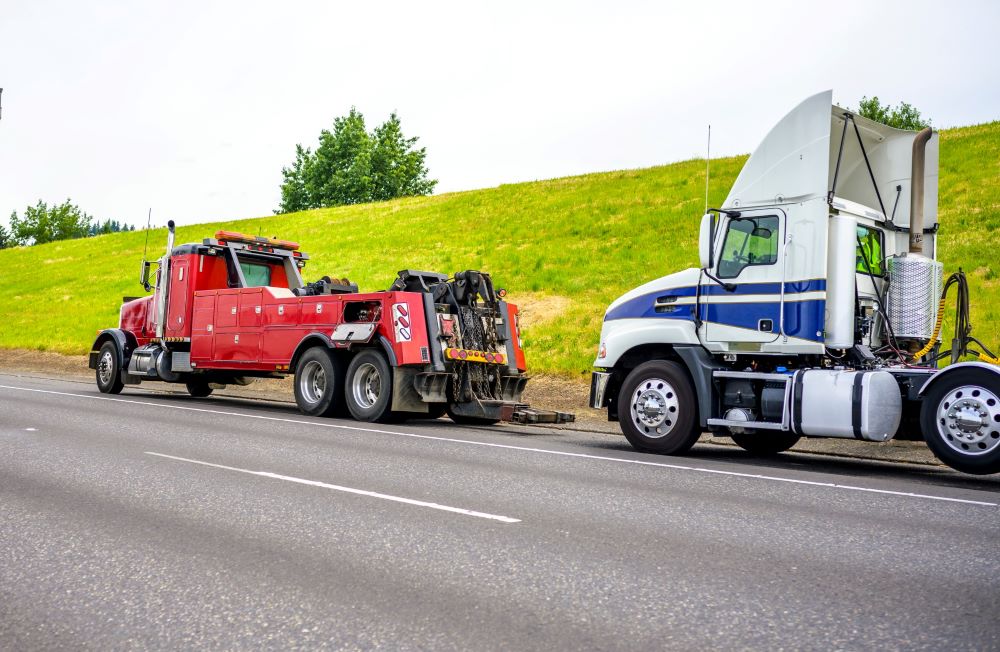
(158, 521)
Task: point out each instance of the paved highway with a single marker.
(151, 520)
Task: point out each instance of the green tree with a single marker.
(5, 238)
(42, 223)
(903, 116)
(397, 166)
(352, 166)
(341, 171)
(293, 189)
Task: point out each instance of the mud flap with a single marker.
(406, 394)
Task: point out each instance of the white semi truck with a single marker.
(816, 311)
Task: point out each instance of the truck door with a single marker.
(750, 257)
(177, 299)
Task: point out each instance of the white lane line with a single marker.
(349, 490)
(664, 465)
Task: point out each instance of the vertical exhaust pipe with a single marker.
(163, 282)
(917, 191)
(170, 236)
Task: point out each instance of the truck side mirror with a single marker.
(144, 275)
(706, 241)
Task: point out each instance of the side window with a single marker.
(869, 250)
(749, 241)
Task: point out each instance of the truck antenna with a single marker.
(708, 158)
(149, 219)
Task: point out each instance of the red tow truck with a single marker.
(234, 308)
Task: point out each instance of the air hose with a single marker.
(937, 330)
(963, 327)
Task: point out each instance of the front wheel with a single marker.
(765, 443)
(657, 409)
(109, 371)
(369, 387)
(960, 421)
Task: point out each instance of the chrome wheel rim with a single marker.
(968, 420)
(312, 381)
(654, 408)
(106, 368)
(366, 385)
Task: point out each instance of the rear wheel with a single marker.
(960, 420)
(109, 371)
(319, 383)
(765, 443)
(369, 387)
(657, 409)
(198, 388)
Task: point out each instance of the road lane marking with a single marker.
(349, 490)
(605, 458)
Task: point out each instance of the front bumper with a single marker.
(598, 389)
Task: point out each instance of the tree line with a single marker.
(42, 223)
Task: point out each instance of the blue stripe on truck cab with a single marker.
(803, 319)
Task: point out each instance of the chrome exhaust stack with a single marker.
(163, 282)
(917, 191)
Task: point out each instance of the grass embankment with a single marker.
(563, 248)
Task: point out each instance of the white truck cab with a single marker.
(813, 312)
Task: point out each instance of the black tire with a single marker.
(960, 420)
(368, 388)
(109, 369)
(198, 388)
(765, 443)
(470, 421)
(319, 383)
(666, 421)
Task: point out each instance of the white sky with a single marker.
(192, 108)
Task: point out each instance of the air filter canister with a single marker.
(914, 290)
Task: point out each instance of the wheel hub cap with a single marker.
(367, 385)
(105, 366)
(654, 407)
(313, 381)
(969, 420)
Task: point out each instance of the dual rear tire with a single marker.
(327, 386)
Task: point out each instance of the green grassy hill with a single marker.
(563, 248)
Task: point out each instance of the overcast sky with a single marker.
(192, 108)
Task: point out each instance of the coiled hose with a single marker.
(963, 326)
